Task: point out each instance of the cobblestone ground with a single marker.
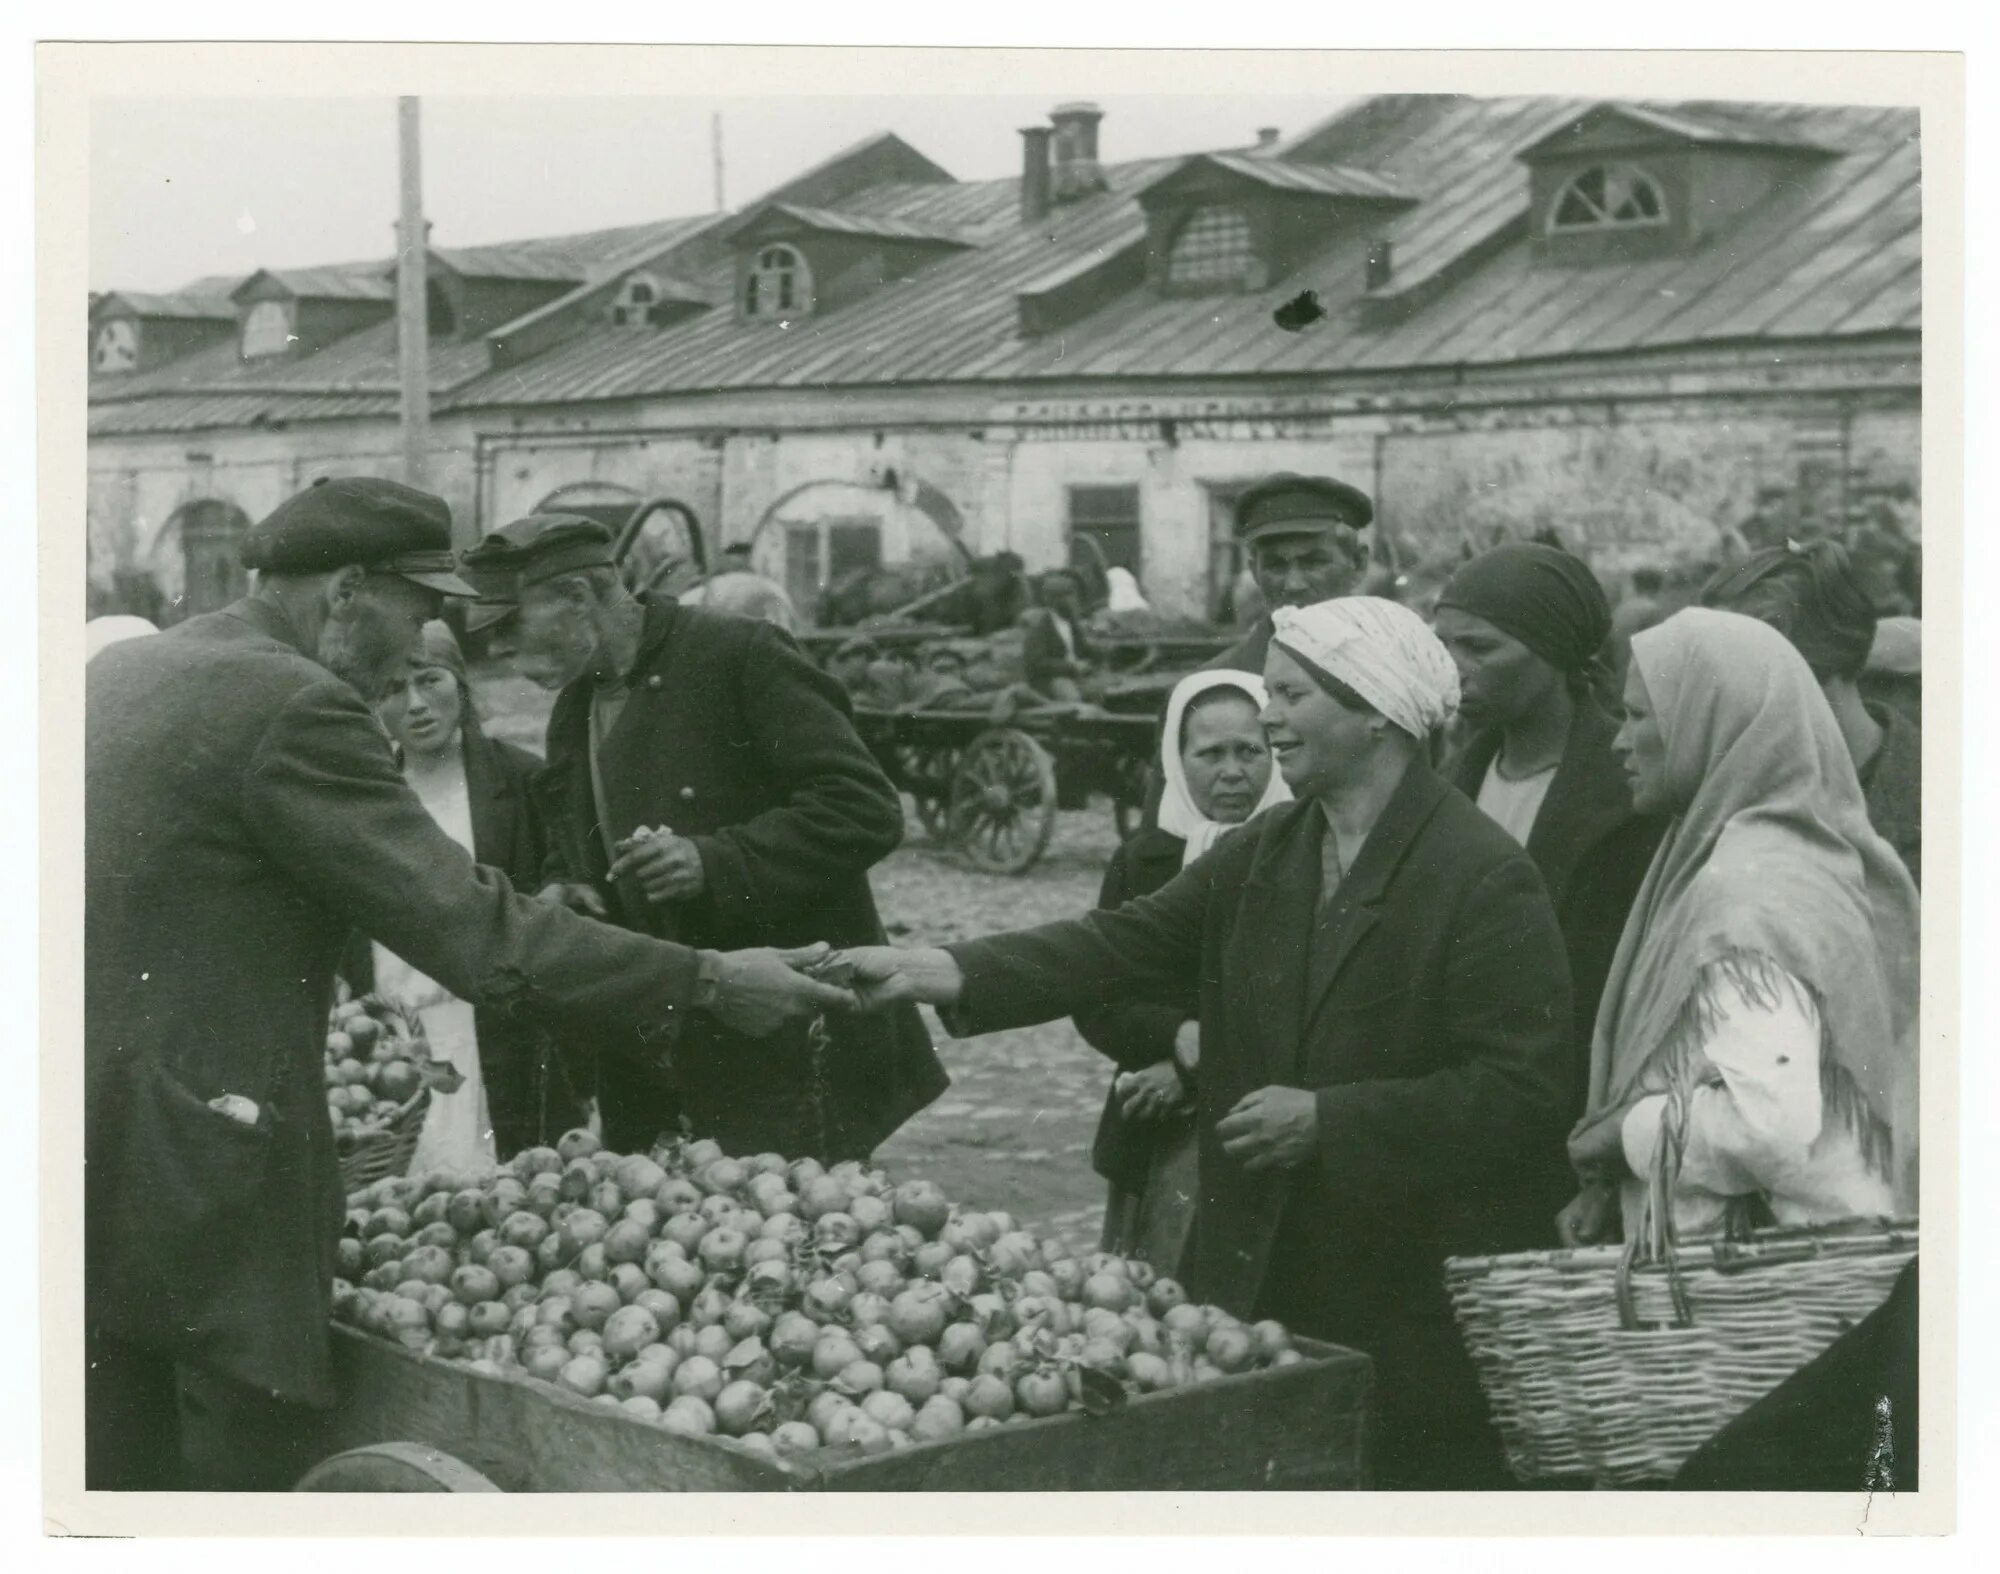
(1013, 1130)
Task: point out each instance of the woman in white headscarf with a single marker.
(1218, 774)
(1383, 1001)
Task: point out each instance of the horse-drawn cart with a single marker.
(987, 781)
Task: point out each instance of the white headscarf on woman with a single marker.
(1381, 650)
(1178, 814)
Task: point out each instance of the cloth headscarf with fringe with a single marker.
(1771, 864)
(1381, 650)
(1178, 814)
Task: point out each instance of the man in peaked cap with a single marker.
(1301, 535)
(244, 815)
(705, 783)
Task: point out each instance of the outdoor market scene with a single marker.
(1236, 820)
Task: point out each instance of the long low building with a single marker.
(1640, 325)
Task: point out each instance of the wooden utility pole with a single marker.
(413, 347)
(715, 149)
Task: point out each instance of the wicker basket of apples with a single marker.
(803, 1319)
(380, 1078)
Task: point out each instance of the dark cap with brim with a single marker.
(527, 552)
(1293, 505)
(364, 522)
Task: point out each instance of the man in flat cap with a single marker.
(705, 783)
(243, 815)
(1301, 535)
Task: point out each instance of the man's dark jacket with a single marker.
(243, 815)
(731, 737)
(531, 1086)
(1427, 1009)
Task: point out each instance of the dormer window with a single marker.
(1214, 249)
(267, 330)
(638, 304)
(115, 348)
(778, 285)
(1608, 197)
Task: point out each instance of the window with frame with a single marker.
(1214, 247)
(267, 330)
(1608, 197)
(1108, 518)
(779, 284)
(638, 303)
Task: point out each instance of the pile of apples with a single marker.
(783, 1305)
(376, 1060)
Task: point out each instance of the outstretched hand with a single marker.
(759, 991)
(884, 975)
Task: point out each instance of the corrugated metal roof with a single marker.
(834, 222)
(208, 412)
(1834, 249)
(1329, 180)
(183, 303)
(1804, 264)
(330, 284)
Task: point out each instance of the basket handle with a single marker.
(1654, 1240)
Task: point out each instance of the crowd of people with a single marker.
(1452, 916)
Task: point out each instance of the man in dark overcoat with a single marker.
(243, 815)
(705, 783)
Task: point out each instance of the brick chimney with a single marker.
(1035, 188)
(1267, 136)
(1076, 173)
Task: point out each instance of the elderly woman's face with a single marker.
(1315, 739)
(423, 712)
(1227, 761)
(1641, 748)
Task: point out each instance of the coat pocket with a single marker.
(200, 1169)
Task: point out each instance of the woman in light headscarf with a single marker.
(1217, 770)
(1384, 1014)
(1762, 1004)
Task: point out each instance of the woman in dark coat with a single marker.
(1217, 769)
(1526, 623)
(1384, 1009)
(527, 1088)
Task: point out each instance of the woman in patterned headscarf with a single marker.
(1384, 1015)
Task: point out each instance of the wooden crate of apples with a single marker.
(798, 1313)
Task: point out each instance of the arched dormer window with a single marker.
(1608, 197)
(778, 285)
(1214, 248)
(637, 299)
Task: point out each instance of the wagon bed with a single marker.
(412, 1422)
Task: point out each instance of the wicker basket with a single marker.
(1597, 1365)
(387, 1151)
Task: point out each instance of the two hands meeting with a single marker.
(1271, 1128)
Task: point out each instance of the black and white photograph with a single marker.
(1142, 790)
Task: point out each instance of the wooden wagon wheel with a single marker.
(1003, 801)
(393, 1467)
(927, 772)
